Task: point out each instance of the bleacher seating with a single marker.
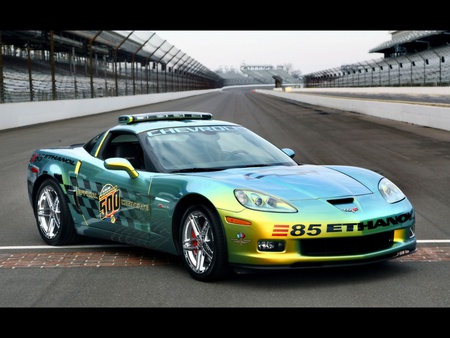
(264, 74)
(428, 68)
(402, 65)
(69, 84)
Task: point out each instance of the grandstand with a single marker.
(54, 65)
(266, 74)
(411, 58)
(234, 78)
(58, 65)
(72, 81)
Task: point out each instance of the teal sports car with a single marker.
(217, 195)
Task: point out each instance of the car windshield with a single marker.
(212, 148)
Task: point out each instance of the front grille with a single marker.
(347, 246)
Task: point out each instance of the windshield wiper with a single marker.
(196, 170)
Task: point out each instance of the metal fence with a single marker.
(426, 68)
(72, 81)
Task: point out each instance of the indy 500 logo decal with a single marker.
(109, 202)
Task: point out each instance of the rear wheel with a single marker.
(52, 214)
(203, 245)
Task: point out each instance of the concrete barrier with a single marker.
(432, 115)
(13, 115)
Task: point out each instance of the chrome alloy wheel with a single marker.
(48, 210)
(197, 242)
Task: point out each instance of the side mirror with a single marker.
(289, 152)
(118, 163)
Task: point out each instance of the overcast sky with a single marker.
(307, 51)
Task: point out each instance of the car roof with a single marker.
(138, 123)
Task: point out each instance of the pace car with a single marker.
(217, 195)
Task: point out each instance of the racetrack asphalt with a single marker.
(130, 256)
(97, 274)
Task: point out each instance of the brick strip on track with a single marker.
(136, 257)
(71, 259)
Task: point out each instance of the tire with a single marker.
(54, 222)
(202, 244)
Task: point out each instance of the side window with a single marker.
(91, 145)
(125, 146)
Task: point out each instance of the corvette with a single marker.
(217, 195)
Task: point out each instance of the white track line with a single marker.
(48, 247)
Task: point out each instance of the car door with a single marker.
(120, 204)
(111, 200)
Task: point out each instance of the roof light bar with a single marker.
(130, 119)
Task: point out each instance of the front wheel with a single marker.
(52, 214)
(203, 246)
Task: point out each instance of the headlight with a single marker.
(390, 191)
(262, 202)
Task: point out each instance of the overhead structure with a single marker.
(102, 51)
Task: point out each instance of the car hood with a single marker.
(294, 183)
